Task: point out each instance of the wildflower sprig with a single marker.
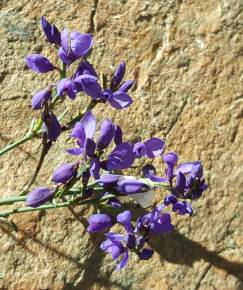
(98, 176)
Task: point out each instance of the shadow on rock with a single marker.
(176, 248)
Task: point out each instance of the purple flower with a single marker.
(114, 246)
(149, 171)
(154, 223)
(181, 207)
(52, 126)
(150, 148)
(117, 79)
(118, 76)
(106, 134)
(80, 44)
(180, 183)
(109, 180)
(64, 173)
(85, 68)
(52, 33)
(118, 100)
(89, 147)
(82, 130)
(66, 86)
(130, 186)
(117, 135)
(95, 168)
(74, 46)
(125, 218)
(99, 222)
(126, 86)
(170, 159)
(190, 182)
(40, 97)
(121, 157)
(38, 196)
(39, 63)
(88, 84)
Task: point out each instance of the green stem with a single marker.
(72, 191)
(91, 105)
(11, 146)
(52, 206)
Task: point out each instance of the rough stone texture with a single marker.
(187, 59)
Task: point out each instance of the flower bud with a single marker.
(39, 97)
(129, 186)
(106, 134)
(64, 173)
(38, 196)
(99, 222)
(118, 76)
(39, 63)
(53, 35)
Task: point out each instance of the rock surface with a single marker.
(187, 59)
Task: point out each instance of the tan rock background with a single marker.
(186, 57)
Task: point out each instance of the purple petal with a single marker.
(78, 131)
(89, 123)
(39, 63)
(170, 157)
(89, 146)
(125, 219)
(146, 254)
(123, 261)
(65, 57)
(114, 237)
(52, 127)
(170, 199)
(184, 168)
(118, 76)
(64, 173)
(118, 135)
(115, 250)
(126, 86)
(197, 170)
(99, 222)
(154, 147)
(139, 149)
(46, 26)
(121, 157)
(81, 44)
(95, 168)
(65, 40)
(180, 182)
(66, 86)
(85, 68)
(109, 180)
(163, 225)
(127, 186)
(90, 85)
(38, 196)
(120, 100)
(106, 134)
(182, 207)
(149, 171)
(52, 33)
(106, 244)
(75, 151)
(131, 241)
(39, 97)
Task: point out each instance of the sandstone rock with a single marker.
(186, 57)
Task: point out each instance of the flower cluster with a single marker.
(102, 154)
